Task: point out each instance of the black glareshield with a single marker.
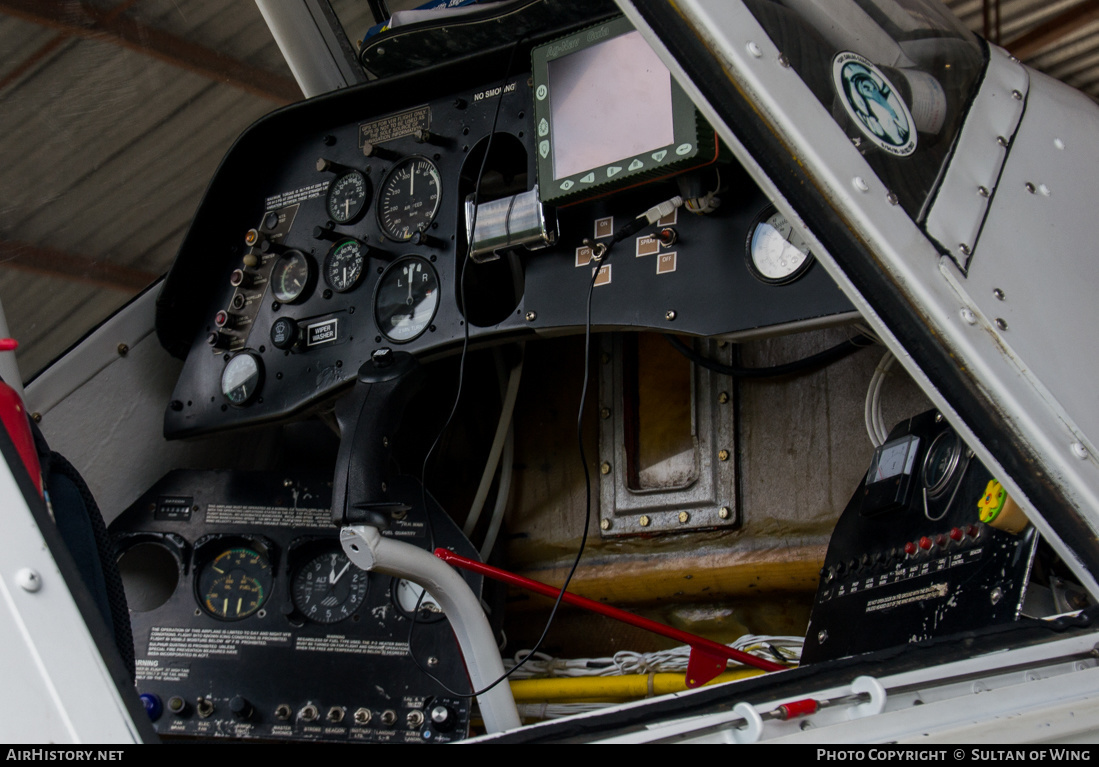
(369, 417)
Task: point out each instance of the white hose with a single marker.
(875, 426)
(507, 407)
(507, 461)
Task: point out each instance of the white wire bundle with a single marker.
(662, 661)
(875, 424)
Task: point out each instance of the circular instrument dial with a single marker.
(343, 268)
(409, 198)
(348, 197)
(291, 276)
(407, 595)
(941, 462)
(777, 254)
(235, 583)
(406, 299)
(241, 378)
(328, 588)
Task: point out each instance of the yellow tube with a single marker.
(587, 688)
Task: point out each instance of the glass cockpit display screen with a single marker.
(610, 102)
(609, 115)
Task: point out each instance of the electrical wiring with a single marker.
(805, 365)
(875, 425)
(786, 649)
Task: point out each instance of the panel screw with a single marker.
(432, 662)
(754, 50)
(605, 413)
(968, 316)
(1030, 187)
(938, 418)
(287, 482)
(998, 293)
(822, 636)
(1017, 95)
(1001, 141)
(669, 315)
(963, 249)
(123, 350)
(892, 198)
(1001, 323)
(531, 316)
(860, 184)
(723, 455)
(723, 397)
(724, 512)
(28, 580)
(997, 595)
(983, 191)
(644, 520)
(36, 417)
(605, 468)
(1079, 450)
(684, 517)
(604, 524)
(783, 61)
(385, 441)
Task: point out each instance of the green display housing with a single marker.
(694, 142)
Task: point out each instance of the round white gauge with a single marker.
(777, 254)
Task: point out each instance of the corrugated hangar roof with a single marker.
(115, 113)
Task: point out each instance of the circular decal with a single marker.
(872, 102)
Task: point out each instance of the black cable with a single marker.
(805, 365)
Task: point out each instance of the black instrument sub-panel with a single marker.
(271, 199)
(328, 663)
(900, 569)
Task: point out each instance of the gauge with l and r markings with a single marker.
(406, 299)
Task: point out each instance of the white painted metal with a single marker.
(962, 201)
(57, 687)
(904, 253)
(371, 551)
(1039, 694)
(313, 45)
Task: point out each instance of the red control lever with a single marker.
(707, 658)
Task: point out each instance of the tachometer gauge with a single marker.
(409, 198)
(291, 276)
(235, 583)
(343, 268)
(777, 254)
(348, 197)
(328, 588)
(241, 378)
(406, 299)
